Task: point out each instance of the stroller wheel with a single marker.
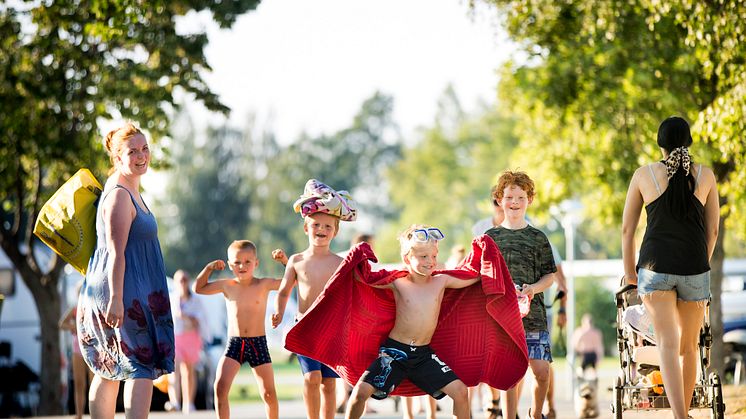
(616, 408)
(718, 405)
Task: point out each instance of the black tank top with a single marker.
(674, 246)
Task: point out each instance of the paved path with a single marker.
(294, 409)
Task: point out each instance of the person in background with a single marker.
(588, 343)
(458, 253)
(494, 220)
(125, 327)
(429, 403)
(81, 373)
(190, 319)
(672, 271)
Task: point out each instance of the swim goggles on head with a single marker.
(424, 234)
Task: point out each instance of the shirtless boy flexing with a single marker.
(246, 303)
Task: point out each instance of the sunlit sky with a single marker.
(308, 66)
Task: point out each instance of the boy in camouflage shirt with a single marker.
(529, 258)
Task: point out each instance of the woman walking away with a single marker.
(672, 272)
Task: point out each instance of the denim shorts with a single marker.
(539, 345)
(687, 287)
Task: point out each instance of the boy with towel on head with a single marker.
(321, 208)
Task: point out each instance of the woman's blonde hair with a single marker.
(115, 140)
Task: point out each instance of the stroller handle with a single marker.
(624, 289)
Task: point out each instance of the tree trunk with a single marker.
(43, 288)
(716, 308)
(50, 397)
(47, 299)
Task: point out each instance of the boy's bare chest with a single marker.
(245, 295)
(315, 273)
(424, 296)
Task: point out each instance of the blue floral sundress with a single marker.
(143, 345)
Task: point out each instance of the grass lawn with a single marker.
(242, 393)
(608, 362)
(244, 388)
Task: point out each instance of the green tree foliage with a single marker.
(351, 159)
(444, 179)
(587, 101)
(207, 198)
(601, 75)
(236, 184)
(64, 65)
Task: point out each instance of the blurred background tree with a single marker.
(64, 66)
(445, 176)
(351, 159)
(230, 184)
(208, 195)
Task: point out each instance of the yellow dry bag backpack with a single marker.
(67, 222)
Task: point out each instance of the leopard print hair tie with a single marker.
(678, 157)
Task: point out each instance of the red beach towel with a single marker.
(479, 334)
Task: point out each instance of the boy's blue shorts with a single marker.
(309, 364)
(539, 345)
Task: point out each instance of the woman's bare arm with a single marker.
(630, 219)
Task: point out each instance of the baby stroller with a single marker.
(638, 386)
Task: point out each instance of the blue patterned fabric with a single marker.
(143, 345)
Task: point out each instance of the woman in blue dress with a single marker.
(124, 315)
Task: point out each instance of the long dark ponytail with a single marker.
(674, 136)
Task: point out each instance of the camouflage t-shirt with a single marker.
(529, 257)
